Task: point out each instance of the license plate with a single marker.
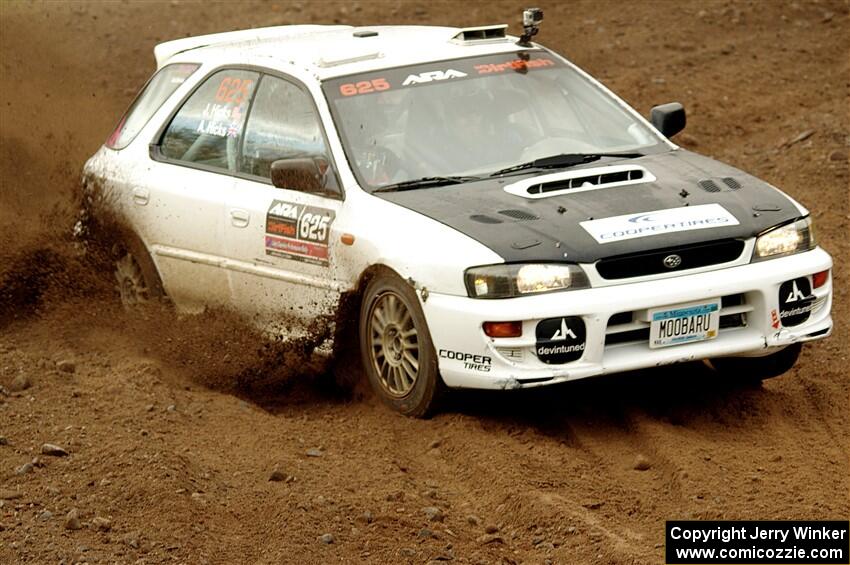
(685, 323)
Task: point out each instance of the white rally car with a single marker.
(500, 218)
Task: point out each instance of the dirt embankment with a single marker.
(171, 443)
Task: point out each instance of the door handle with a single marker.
(141, 196)
(240, 218)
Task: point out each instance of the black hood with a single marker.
(548, 229)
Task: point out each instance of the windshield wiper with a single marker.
(424, 182)
(563, 161)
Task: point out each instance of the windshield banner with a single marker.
(432, 73)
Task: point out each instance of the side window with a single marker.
(283, 125)
(153, 95)
(208, 128)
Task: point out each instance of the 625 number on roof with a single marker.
(364, 87)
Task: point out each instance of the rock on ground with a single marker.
(54, 450)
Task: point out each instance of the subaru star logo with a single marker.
(672, 261)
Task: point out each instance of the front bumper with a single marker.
(614, 318)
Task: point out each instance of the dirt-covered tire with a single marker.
(757, 369)
(396, 348)
(137, 279)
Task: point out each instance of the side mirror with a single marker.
(304, 174)
(669, 119)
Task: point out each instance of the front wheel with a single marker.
(759, 368)
(396, 347)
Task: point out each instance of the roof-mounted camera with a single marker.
(531, 19)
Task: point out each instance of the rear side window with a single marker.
(153, 95)
(207, 130)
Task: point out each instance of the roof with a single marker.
(330, 51)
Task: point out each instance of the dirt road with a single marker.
(172, 443)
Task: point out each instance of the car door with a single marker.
(188, 186)
(282, 241)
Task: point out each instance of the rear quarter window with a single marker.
(153, 95)
(207, 130)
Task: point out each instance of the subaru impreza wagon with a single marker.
(501, 218)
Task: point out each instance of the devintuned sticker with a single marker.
(796, 301)
(299, 232)
(560, 340)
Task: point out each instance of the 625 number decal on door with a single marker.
(314, 227)
(299, 232)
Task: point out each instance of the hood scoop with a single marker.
(580, 180)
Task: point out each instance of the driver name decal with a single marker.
(224, 116)
(299, 232)
(658, 222)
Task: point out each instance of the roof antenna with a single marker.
(531, 19)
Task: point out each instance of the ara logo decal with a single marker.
(432, 76)
(563, 332)
(284, 210)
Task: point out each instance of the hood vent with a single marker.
(485, 219)
(580, 180)
(709, 185)
(731, 183)
(713, 185)
(519, 214)
(327, 63)
(481, 34)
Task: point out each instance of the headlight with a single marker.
(791, 238)
(506, 281)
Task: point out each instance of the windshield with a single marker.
(474, 116)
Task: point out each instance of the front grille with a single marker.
(733, 321)
(641, 334)
(653, 262)
(620, 318)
